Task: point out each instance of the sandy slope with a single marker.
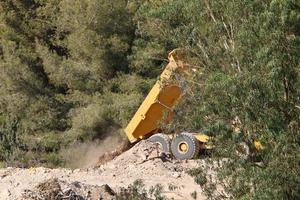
(120, 172)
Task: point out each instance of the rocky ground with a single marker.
(143, 162)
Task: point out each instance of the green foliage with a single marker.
(245, 84)
(75, 71)
(194, 195)
(8, 138)
(199, 176)
(65, 76)
(53, 159)
(134, 191)
(137, 191)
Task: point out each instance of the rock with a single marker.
(76, 170)
(76, 184)
(144, 156)
(49, 189)
(6, 193)
(175, 174)
(10, 168)
(106, 193)
(111, 166)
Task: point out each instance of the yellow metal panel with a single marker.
(151, 112)
(258, 145)
(202, 137)
(160, 99)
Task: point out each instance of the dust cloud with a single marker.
(87, 154)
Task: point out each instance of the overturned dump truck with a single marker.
(157, 107)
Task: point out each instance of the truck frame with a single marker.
(158, 104)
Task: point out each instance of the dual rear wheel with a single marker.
(182, 146)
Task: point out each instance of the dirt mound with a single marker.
(54, 189)
(145, 162)
(47, 190)
(108, 156)
(147, 151)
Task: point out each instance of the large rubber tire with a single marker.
(162, 140)
(187, 139)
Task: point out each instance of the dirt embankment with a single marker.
(144, 161)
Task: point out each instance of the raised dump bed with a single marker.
(160, 101)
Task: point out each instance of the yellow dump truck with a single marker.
(158, 104)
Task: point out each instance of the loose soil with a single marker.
(144, 161)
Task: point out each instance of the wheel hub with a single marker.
(183, 147)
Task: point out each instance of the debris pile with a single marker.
(108, 156)
(54, 189)
(145, 161)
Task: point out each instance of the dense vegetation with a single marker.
(73, 71)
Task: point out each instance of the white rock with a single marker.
(176, 175)
(76, 170)
(5, 193)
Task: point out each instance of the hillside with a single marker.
(74, 72)
(124, 170)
